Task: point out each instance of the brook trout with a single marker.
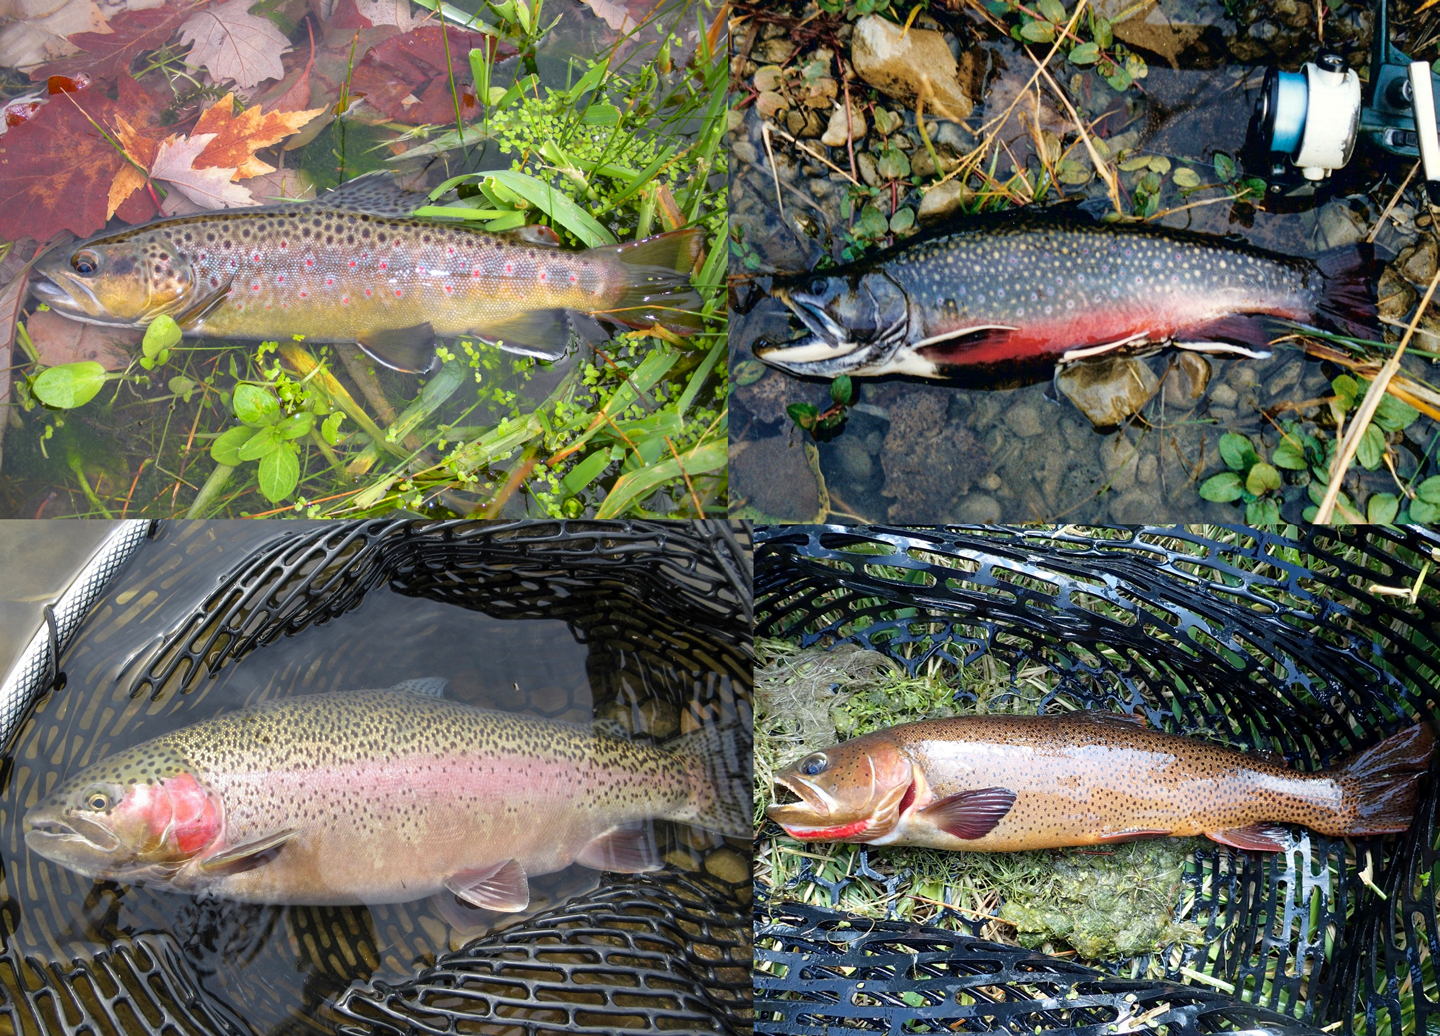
(353, 266)
(381, 797)
(1026, 287)
(1006, 783)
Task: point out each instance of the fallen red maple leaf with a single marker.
(56, 167)
(407, 78)
(108, 55)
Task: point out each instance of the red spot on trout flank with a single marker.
(398, 293)
(827, 834)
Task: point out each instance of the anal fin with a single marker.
(407, 349)
(543, 333)
(629, 849)
(1261, 837)
(504, 887)
(970, 814)
(1248, 335)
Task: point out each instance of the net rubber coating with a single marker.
(1283, 645)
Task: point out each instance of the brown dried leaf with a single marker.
(108, 55)
(234, 44)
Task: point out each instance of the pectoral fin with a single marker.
(201, 307)
(407, 349)
(970, 814)
(248, 855)
(504, 887)
(1262, 837)
(628, 850)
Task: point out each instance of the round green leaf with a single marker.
(1038, 32)
(1422, 512)
(279, 471)
(1382, 508)
(260, 444)
(1224, 166)
(1372, 448)
(1262, 512)
(1347, 388)
(1221, 488)
(1100, 29)
(1054, 10)
(298, 425)
(1289, 456)
(1085, 54)
(1262, 477)
(225, 448)
(1236, 451)
(842, 390)
(330, 428)
(1186, 177)
(255, 405)
(70, 384)
(1429, 491)
(163, 333)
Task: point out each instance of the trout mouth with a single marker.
(827, 351)
(48, 834)
(74, 300)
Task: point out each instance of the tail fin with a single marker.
(1379, 783)
(721, 778)
(657, 286)
(1347, 300)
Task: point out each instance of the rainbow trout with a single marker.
(1006, 783)
(382, 797)
(1025, 287)
(353, 266)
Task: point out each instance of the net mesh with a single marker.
(663, 612)
(1310, 648)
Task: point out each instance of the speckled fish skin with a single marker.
(338, 274)
(385, 796)
(1022, 287)
(1033, 782)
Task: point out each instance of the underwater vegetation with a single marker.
(591, 127)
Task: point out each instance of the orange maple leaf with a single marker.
(141, 151)
(238, 137)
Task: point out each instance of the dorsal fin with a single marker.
(376, 193)
(429, 686)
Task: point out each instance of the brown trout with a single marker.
(1006, 783)
(353, 266)
(382, 797)
(1021, 288)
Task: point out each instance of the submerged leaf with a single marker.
(70, 385)
(208, 188)
(235, 45)
(238, 137)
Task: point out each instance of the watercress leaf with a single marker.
(1237, 452)
(1262, 512)
(1085, 54)
(330, 428)
(260, 444)
(1289, 455)
(255, 405)
(841, 390)
(297, 425)
(1038, 32)
(1222, 488)
(163, 333)
(279, 471)
(1382, 508)
(803, 414)
(1423, 512)
(70, 384)
(1054, 10)
(1100, 29)
(224, 449)
(1347, 388)
(1186, 177)
(1262, 478)
(1372, 448)
(1395, 415)
(1224, 167)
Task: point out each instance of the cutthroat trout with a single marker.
(382, 797)
(1017, 288)
(353, 266)
(1006, 783)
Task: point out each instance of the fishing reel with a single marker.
(1307, 124)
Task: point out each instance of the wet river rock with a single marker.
(929, 461)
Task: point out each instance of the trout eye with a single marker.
(85, 263)
(817, 286)
(98, 800)
(814, 764)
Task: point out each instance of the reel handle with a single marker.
(1427, 137)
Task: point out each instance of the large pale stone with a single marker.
(909, 66)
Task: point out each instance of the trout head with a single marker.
(853, 792)
(856, 321)
(135, 816)
(125, 280)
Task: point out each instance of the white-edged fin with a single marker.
(1086, 352)
(811, 353)
(410, 350)
(1224, 349)
(248, 855)
(628, 849)
(961, 333)
(504, 887)
(428, 686)
(543, 333)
